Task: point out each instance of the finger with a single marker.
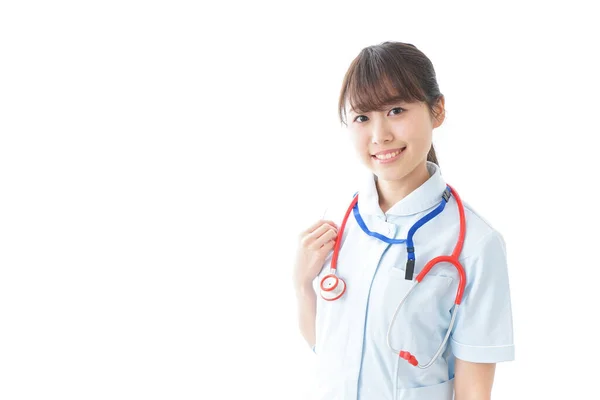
(317, 224)
(320, 231)
(328, 246)
(311, 228)
(308, 240)
(331, 234)
(332, 223)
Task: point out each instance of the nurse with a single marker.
(391, 103)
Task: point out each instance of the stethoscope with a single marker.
(333, 287)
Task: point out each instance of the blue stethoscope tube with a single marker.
(333, 287)
(410, 247)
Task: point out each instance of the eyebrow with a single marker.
(393, 102)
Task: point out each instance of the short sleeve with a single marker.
(483, 330)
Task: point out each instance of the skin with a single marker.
(401, 125)
(410, 126)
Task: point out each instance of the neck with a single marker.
(391, 192)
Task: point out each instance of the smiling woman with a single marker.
(403, 222)
(386, 77)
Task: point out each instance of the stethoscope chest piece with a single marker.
(332, 287)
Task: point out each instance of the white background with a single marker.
(158, 159)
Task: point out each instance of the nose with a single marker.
(381, 132)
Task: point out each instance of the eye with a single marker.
(360, 116)
(399, 110)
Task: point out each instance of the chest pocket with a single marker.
(423, 319)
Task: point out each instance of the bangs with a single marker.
(377, 78)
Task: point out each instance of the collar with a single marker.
(426, 196)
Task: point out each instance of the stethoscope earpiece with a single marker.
(332, 287)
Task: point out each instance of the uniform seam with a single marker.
(481, 347)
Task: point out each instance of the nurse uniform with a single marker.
(353, 359)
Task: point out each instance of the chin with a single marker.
(391, 172)
(387, 176)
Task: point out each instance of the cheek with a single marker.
(424, 139)
(360, 143)
(419, 136)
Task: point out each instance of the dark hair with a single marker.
(386, 73)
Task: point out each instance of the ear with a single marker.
(440, 111)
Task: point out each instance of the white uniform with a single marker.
(353, 359)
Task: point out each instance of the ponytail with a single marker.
(432, 157)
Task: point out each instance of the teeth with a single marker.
(388, 155)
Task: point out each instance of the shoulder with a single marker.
(480, 234)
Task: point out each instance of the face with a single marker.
(394, 142)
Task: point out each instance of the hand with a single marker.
(315, 243)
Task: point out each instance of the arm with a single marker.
(483, 335)
(473, 381)
(315, 244)
(307, 304)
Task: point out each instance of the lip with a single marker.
(389, 160)
(388, 151)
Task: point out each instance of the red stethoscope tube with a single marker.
(452, 259)
(332, 287)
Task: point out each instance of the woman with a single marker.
(402, 216)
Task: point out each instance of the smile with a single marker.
(388, 156)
